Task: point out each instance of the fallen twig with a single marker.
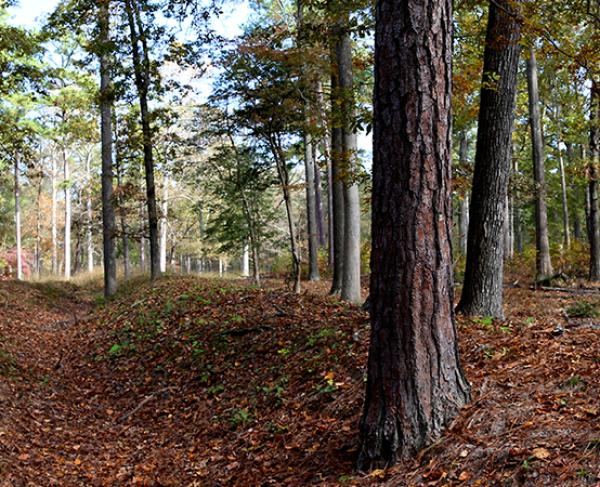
(142, 403)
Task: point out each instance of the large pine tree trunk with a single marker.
(108, 211)
(351, 255)
(141, 63)
(543, 263)
(17, 195)
(483, 287)
(594, 217)
(415, 384)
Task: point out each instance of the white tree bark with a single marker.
(163, 225)
(18, 221)
(68, 214)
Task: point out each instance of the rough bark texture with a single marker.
(351, 266)
(482, 290)
(543, 263)
(108, 211)
(593, 183)
(415, 384)
(141, 64)
(336, 186)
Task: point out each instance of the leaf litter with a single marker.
(198, 382)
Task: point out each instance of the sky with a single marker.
(32, 12)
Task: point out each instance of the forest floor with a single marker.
(208, 382)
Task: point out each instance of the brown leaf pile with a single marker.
(195, 382)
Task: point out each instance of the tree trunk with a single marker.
(246, 260)
(415, 384)
(141, 63)
(463, 156)
(483, 287)
(18, 219)
(543, 263)
(68, 213)
(284, 178)
(336, 183)
(163, 226)
(106, 98)
(54, 223)
(90, 215)
(593, 183)
(123, 219)
(311, 210)
(351, 266)
(518, 234)
(142, 239)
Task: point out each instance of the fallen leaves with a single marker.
(256, 386)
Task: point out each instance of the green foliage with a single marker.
(583, 309)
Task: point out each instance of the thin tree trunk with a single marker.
(336, 183)
(284, 179)
(68, 213)
(311, 210)
(90, 216)
(543, 263)
(518, 234)
(142, 239)
(18, 219)
(563, 185)
(464, 202)
(53, 220)
(593, 183)
(38, 225)
(351, 267)
(415, 384)
(106, 99)
(309, 161)
(246, 260)
(141, 63)
(123, 219)
(163, 226)
(483, 286)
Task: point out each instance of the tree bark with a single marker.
(17, 191)
(593, 181)
(311, 210)
(123, 218)
(53, 220)
(89, 214)
(543, 263)
(336, 183)
(415, 384)
(483, 287)
(106, 97)
(141, 64)
(351, 266)
(68, 214)
(463, 155)
(163, 226)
